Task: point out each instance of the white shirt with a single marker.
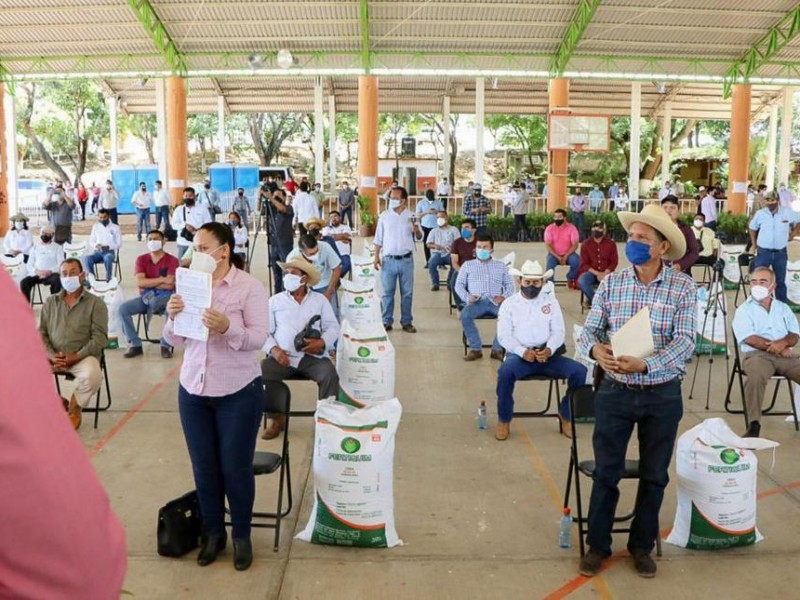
(162, 198)
(519, 205)
(141, 199)
(196, 216)
(508, 198)
(443, 236)
(621, 202)
(709, 208)
(664, 192)
(46, 257)
(105, 235)
(305, 207)
(786, 196)
(524, 324)
(109, 198)
(342, 247)
(18, 239)
(394, 233)
(443, 189)
(287, 318)
(240, 239)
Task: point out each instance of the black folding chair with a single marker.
(553, 385)
(581, 402)
(37, 291)
(146, 319)
(97, 408)
(583, 297)
(117, 269)
(738, 372)
(745, 260)
(483, 345)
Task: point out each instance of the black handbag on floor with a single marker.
(179, 526)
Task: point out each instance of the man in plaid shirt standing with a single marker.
(645, 393)
(477, 208)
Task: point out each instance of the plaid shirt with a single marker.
(671, 297)
(471, 203)
(485, 279)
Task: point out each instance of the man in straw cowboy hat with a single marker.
(290, 313)
(530, 327)
(646, 391)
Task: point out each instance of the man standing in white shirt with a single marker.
(665, 190)
(162, 201)
(209, 198)
(109, 199)
(105, 241)
(708, 206)
(305, 206)
(141, 201)
(187, 219)
(343, 236)
(394, 257)
(443, 191)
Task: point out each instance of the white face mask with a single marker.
(19, 225)
(441, 222)
(71, 284)
(204, 262)
(155, 245)
(292, 282)
(699, 224)
(759, 293)
(314, 259)
(393, 203)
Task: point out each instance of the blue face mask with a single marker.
(466, 233)
(637, 252)
(483, 254)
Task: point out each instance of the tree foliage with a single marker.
(269, 131)
(526, 132)
(143, 127)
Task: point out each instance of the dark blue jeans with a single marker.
(347, 212)
(777, 260)
(162, 214)
(515, 368)
(656, 413)
(278, 254)
(221, 437)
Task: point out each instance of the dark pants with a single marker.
(346, 265)
(221, 438)
(278, 253)
(162, 214)
(347, 212)
(63, 234)
(577, 220)
(27, 284)
(777, 260)
(520, 227)
(588, 283)
(481, 230)
(320, 370)
(656, 413)
(113, 215)
(443, 200)
(426, 231)
(83, 209)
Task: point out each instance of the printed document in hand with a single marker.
(635, 338)
(194, 288)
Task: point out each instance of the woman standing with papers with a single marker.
(221, 396)
(643, 390)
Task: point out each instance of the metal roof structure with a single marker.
(686, 51)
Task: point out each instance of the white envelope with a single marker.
(635, 338)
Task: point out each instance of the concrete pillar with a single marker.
(558, 163)
(666, 142)
(446, 133)
(786, 135)
(319, 133)
(771, 150)
(739, 149)
(112, 126)
(11, 167)
(368, 139)
(5, 212)
(161, 131)
(635, 153)
(221, 127)
(332, 141)
(479, 111)
(177, 143)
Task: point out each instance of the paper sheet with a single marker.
(194, 287)
(635, 338)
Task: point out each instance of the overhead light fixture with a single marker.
(256, 61)
(285, 59)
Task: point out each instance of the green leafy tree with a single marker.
(202, 128)
(143, 127)
(269, 132)
(435, 124)
(347, 134)
(526, 132)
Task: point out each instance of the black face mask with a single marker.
(530, 291)
(188, 201)
(104, 223)
(207, 186)
(241, 194)
(597, 234)
(46, 238)
(558, 222)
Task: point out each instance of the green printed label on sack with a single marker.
(335, 531)
(705, 535)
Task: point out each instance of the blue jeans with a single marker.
(334, 299)
(221, 436)
(347, 212)
(573, 260)
(346, 265)
(515, 368)
(142, 221)
(587, 283)
(101, 256)
(777, 260)
(437, 259)
(162, 214)
(656, 413)
(392, 271)
(475, 310)
(136, 306)
(113, 216)
(577, 220)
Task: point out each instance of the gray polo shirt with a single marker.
(60, 214)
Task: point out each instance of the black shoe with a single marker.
(409, 328)
(591, 563)
(753, 431)
(435, 288)
(133, 352)
(242, 554)
(387, 327)
(211, 546)
(166, 352)
(644, 563)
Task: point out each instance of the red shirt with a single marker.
(167, 265)
(464, 249)
(600, 257)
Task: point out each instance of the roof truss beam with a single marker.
(577, 27)
(158, 33)
(220, 93)
(366, 56)
(772, 42)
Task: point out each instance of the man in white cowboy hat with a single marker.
(530, 327)
(646, 391)
(291, 312)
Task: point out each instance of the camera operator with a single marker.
(278, 216)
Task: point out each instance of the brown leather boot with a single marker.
(502, 431)
(275, 425)
(74, 412)
(473, 355)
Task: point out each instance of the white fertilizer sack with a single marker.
(363, 268)
(111, 293)
(730, 274)
(75, 250)
(353, 475)
(717, 475)
(359, 305)
(15, 267)
(793, 285)
(365, 361)
(582, 358)
(711, 336)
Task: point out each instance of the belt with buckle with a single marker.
(638, 387)
(398, 256)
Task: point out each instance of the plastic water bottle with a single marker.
(565, 530)
(482, 415)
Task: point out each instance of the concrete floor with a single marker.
(479, 518)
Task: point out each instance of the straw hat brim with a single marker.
(310, 270)
(523, 275)
(655, 217)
